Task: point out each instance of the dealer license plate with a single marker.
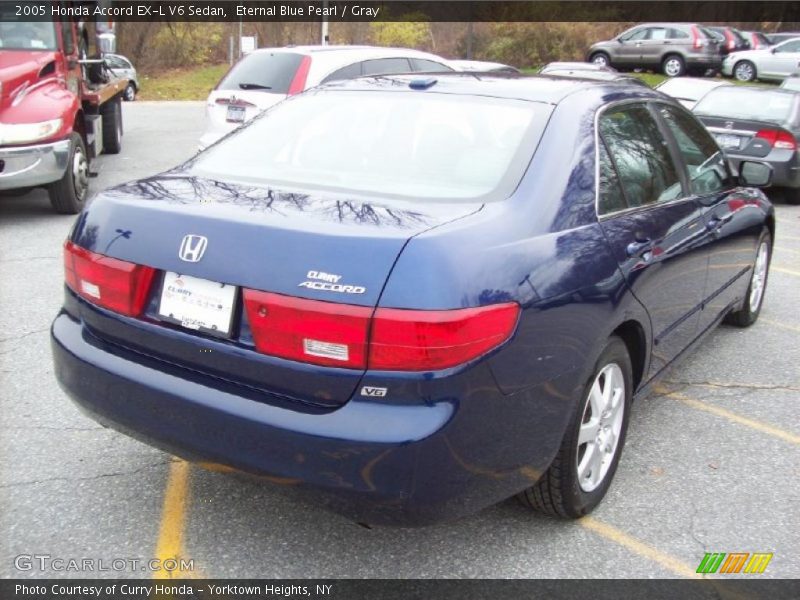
(235, 114)
(197, 303)
(728, 141)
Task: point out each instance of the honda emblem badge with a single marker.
(192, 248)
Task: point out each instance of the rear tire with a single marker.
(112, 126)
(754, 297)
(744, 70)
(601, 59)
(584, 467)
(68, 194)
(673, 66)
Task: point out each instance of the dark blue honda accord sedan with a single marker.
(415, 297)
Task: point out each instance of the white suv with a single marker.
(266, 76)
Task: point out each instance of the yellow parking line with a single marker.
(173, 518)
(638, 547)
(776, 432)
(779, 324)
(782, 270)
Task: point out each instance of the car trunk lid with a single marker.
(745, 137)
(324, 247)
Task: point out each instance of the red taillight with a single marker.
(729, 37)
(311, 331)
(299, 81)
(422, 340)
(108, 282)
(698, 41)
(776, 138)
(343, 335)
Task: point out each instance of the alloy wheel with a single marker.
(673, 67)
(601, 424)
(744, 72)
(759, 279)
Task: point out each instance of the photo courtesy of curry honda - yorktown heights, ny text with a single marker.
(415, 295)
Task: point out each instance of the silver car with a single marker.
(777, 62)
(122, 68)
(671, 48)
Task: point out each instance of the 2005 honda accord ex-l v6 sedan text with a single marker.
(414, 296)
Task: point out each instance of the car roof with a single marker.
(337, 49)
(535, 88)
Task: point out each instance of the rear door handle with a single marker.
(639, 248)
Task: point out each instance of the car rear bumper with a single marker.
(710, 62)
(458, 446)
(30, 166)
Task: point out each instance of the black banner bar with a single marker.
(750, 587)
(437, 11)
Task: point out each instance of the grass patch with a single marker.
(192, 83)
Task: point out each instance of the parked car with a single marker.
(575, 66)
(792, 82)
(483, 66)
(122, 68)
(777, 38)
(264, 77)
(413, 296)
(758, 40)
(688, 90)
(732, 40)
(776, 62)
(671, 48)
(757, 123)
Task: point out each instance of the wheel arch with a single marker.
(633, 335)
(79, 124)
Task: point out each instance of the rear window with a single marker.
(741, 103)
(265, 71)
(678, 87)
(392, 144)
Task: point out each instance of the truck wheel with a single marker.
(112, 126)
(583, 469)
(68, 194)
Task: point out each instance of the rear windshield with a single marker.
(741, 103)
(688, 89)
(263, 71)
(418, 145)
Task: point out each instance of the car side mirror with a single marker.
(755, 174)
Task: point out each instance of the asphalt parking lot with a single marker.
(712, 461)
